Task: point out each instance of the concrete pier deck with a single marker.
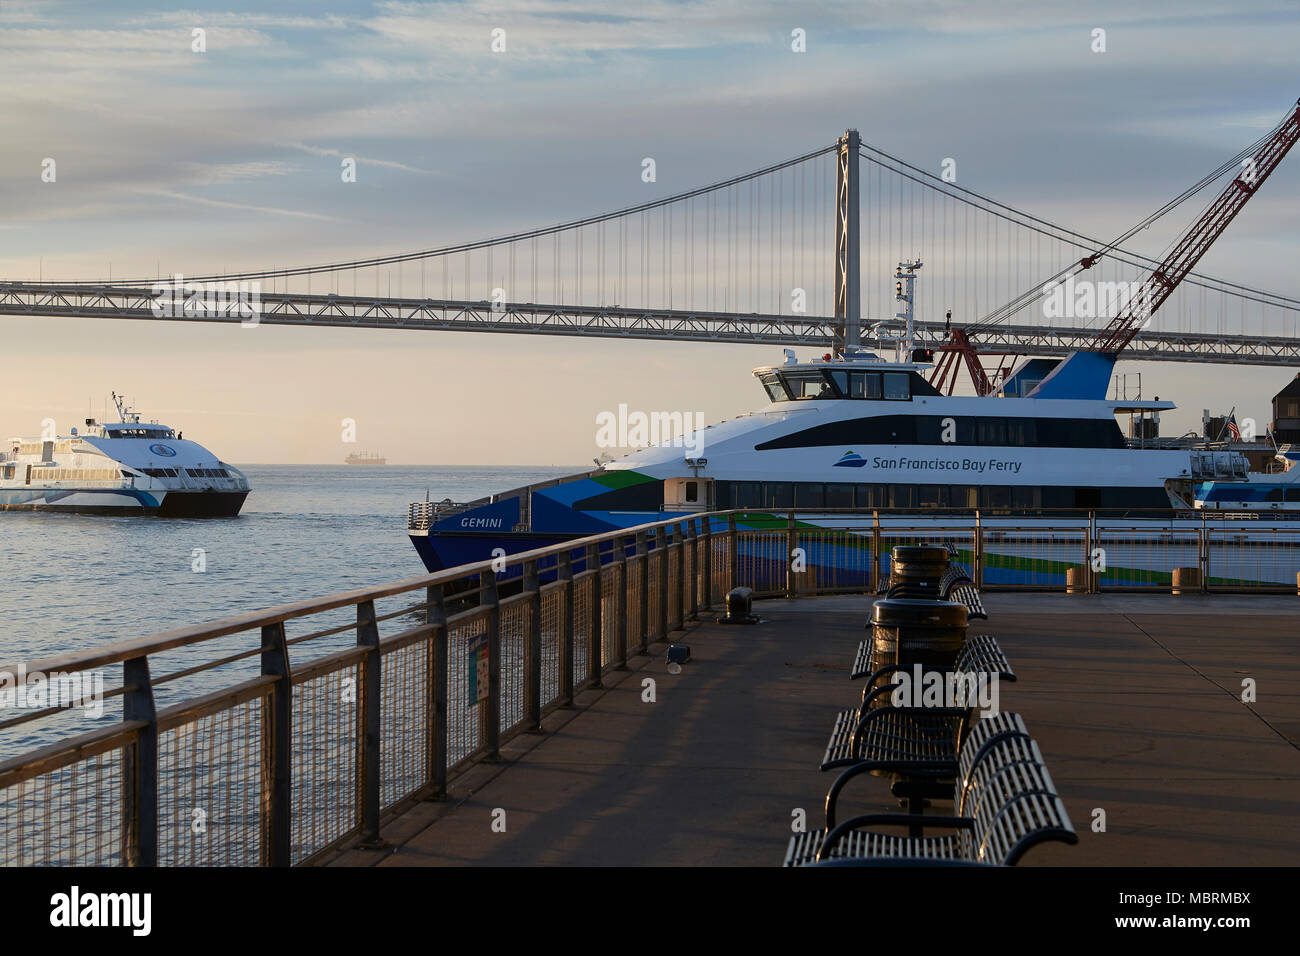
(1135, 701)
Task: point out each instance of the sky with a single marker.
(170, 160)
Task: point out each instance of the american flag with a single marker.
(1233, 430)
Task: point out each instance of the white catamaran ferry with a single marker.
(861, 431)
(130, 467)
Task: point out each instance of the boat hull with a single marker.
(174, 504)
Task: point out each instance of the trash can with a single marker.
(918, 569)
(909, 631)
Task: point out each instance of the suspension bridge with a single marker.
(802, 252)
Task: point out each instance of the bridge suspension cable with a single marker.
(570, 225)
(1098, 248)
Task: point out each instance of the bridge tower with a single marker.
(848, 261)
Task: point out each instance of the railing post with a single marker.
(620, 602)
(277, 742)
(489, 597)
(533, 658)
(1203, 549)
(791, 542)
(875, 553)
(435, 615)
(977, 559)
(564, 573)
(276, 749)
(1093, 578)
(693, 548)
(140, 768)
(733, 565)
(368, 761)
(707, 570)
(643, 581)
(661, 612)
(680, 598)
(596, 634)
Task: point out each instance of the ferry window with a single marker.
(1057, 497)
(1026, 498)
(1022, 431)
(897, 386)
(1274, 494)
(995, 496)
(872, 496)
(775, 389)
(864, 385)
(841, 380)
(1087, 497)
(748, 494)
(992, 431)
(839, 496)
(809, 384)
(778, 494)
(929, 429)
(809, 495)
(692, 491)
(931, 496)
(902, 496)
(963, 496)
(1292, 494)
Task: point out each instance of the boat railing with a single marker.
(422, 515)
(1219, 466)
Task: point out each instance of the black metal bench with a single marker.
(979, 657)
(923, 756)
(1006, 804)
(956, 585)
(980, 653)
(971, 751)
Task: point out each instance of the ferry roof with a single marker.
(1130, 405)
(861, 360)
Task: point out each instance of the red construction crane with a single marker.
(1166, 276)
(1137, 312)
(959, 349)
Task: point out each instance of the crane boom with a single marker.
(1158, 286)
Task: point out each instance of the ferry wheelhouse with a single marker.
(125, 468)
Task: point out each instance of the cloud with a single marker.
(225, 204)
(213, 174)
(365, 160)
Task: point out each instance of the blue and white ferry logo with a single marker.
(162, 450)
(851, 460)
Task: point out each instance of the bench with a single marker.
(979, 654)
(1005, 804)
(973, 750)
(956, 585)
(923, 772)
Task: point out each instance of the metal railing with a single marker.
(296, 729)
(278, 736)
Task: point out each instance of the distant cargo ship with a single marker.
(355, 459)
(130, 467)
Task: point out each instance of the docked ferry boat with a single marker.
(1273, 494)
(864, 432)
(125, 468)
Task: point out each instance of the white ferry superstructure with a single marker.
(124, 468)
(857, 431)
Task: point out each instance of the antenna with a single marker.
(904, 292)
